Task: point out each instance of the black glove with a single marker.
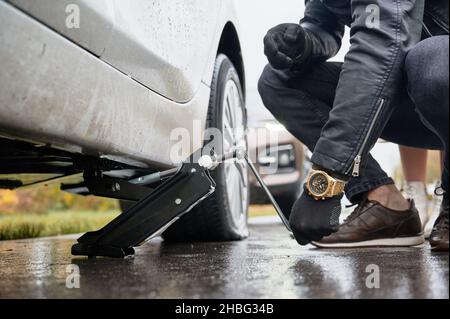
(311, 219)
(286, 45)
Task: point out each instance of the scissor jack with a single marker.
(155, 212)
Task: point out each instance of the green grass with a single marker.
(261, 211)
(20, 226)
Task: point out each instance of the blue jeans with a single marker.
(302, 103)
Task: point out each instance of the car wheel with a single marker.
(222, 216)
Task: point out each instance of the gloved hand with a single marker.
(284, 45)
(311, 220)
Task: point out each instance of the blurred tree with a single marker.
(8, 201)
(44, 199)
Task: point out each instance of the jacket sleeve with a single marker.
(382, 33)
(324, 32)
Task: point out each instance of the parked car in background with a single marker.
(282, 160)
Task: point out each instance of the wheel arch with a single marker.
(230, 45)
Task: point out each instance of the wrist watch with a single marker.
(320, 185)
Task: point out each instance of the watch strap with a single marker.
(338, 187)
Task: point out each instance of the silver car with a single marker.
(91, 91)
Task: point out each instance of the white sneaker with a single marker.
(418, 192)
(434, 214)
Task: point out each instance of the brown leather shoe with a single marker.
(439, 235)
(373, 225)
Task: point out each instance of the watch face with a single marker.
(318, 184)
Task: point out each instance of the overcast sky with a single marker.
(258, 16)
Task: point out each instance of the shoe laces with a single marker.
(360, 207)
(444, 220)
(444, 215)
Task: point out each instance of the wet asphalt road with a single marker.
(267, 265)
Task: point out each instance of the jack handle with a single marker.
(211, 162)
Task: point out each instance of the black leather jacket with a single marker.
(373, 70)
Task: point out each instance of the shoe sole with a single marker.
(387, 242)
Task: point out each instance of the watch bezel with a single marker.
(323, 194)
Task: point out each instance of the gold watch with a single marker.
(321, 186)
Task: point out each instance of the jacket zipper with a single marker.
(358, 159)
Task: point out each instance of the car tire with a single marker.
(222, 216)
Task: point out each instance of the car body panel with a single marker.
(169, 54)
(164, 45)
(55, 92)
(95, 15)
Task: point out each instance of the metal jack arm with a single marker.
(269, 194)
(155, 212)
(150, 216)
(241, 154)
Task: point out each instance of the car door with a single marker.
(163, 44)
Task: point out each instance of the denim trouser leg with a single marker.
(427, 70)
(302, 103)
